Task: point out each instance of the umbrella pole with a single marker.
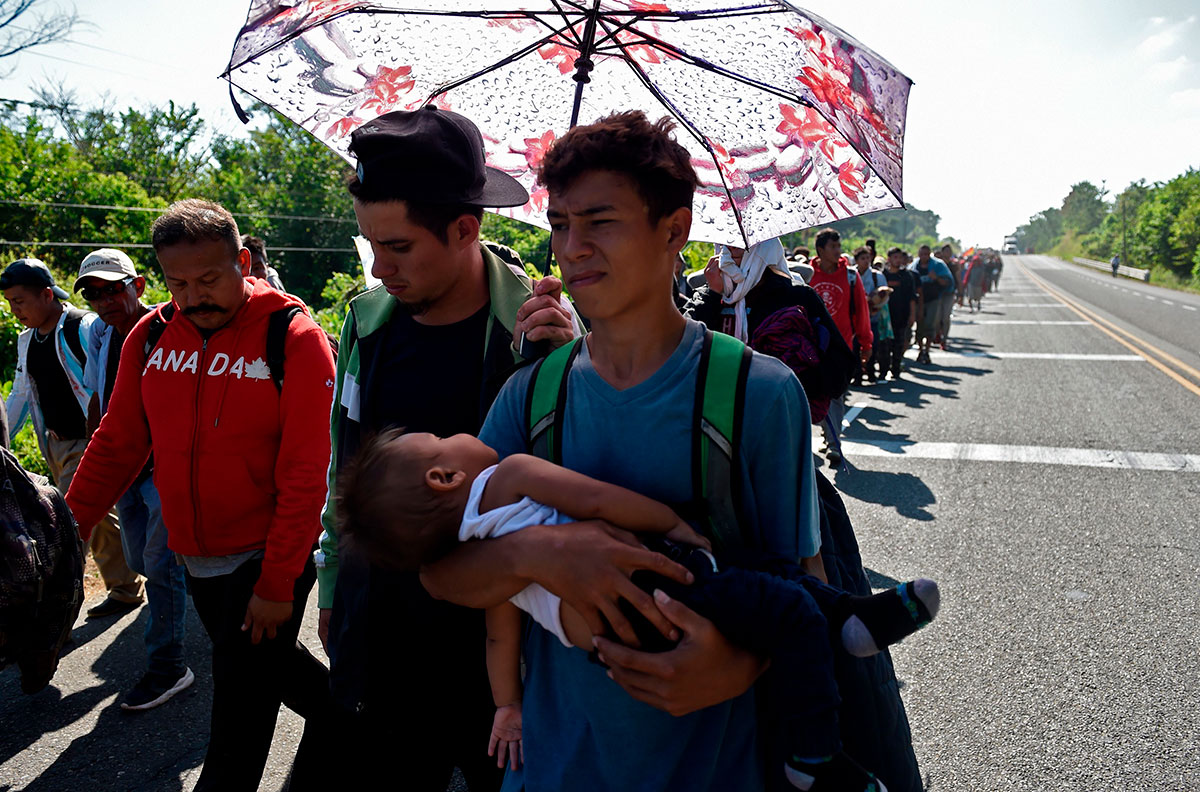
(583, 68)
(584, 64)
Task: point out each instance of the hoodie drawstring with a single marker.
(237, 344)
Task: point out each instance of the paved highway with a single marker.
(1046, 469)
(1047, 472)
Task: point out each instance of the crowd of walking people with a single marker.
(557, 543)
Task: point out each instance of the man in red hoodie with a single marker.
(842, 291)
(240, 471)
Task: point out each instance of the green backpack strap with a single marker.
(546, 400)
(716, 436)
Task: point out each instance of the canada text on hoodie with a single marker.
(239, 464)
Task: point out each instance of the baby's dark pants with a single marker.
(769, 606)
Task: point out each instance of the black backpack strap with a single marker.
(850, 278)
(277, 328)
(158, 325)
(716, 437)
(71, 334)
(546, 402)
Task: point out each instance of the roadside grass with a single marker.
(1159, 275)
(1168, 279)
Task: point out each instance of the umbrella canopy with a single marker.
(790, 122)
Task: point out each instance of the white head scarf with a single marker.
(739, 279)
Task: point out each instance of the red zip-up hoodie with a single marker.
(834, 288)
(238, 464)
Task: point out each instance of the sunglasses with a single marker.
(93, 293)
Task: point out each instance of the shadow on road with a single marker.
(906, 493)
(878, 580)
(95, 744)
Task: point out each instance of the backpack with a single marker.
(716, 428)
(71, 335)
(277, 327)
(851, 277)
(805, 346)
(41, 573)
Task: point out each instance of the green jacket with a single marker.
(370, 312)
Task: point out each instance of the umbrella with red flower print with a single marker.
(791, 123)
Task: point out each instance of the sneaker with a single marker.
(111, 607)
(155, 689)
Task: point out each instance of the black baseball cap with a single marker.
(33, 273)
(433, 156)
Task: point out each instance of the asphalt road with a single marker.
(1046, 474)
(1067, 654)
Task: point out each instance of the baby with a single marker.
(409, 498)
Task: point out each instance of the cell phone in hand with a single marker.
(532, 350)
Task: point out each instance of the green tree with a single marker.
(1042, 232)
(282, 170)
(1083, 209)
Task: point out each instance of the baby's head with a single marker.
(403, 496)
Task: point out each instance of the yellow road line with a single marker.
(1147, 353)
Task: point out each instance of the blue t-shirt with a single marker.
(581, 730)
(937, 269)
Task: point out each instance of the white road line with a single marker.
(1039, 356)
(1188, 307)
(1038, 455)
(1058, 322)
(1167, 302)
(1024, 305)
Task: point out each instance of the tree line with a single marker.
(74, 178)
(1153, 226)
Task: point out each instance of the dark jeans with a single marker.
(881, 356)
(422, 743)
(250, 681)
(899, 343)
(770, 606)
(144, 539)
(410, 684)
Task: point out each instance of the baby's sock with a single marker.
(837, 773)
(885, 618)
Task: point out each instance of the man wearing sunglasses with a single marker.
(48, 389)
(112, 287)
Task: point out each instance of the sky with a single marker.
(1013, 101)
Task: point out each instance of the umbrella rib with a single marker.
(691, 128)
(579, 9)
(500, 63)
(563, 15)
(300, 31)
(700, 63)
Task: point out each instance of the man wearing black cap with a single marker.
(428, 350)
(49, 389)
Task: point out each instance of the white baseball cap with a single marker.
(106, 264)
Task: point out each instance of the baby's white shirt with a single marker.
(539, 603)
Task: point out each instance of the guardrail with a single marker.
(1129, 272)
